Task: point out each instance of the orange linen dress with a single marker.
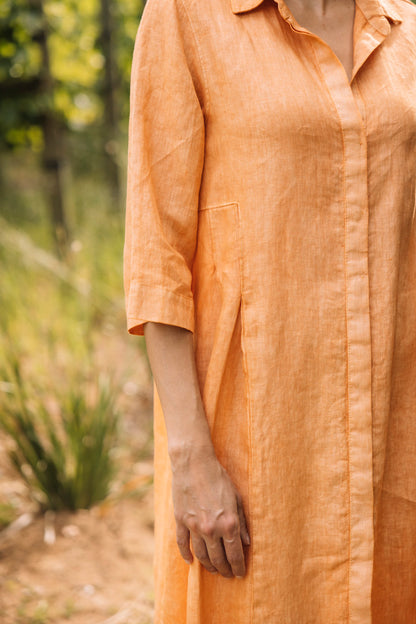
(271, 211)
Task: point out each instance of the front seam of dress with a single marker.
(346, 333)
(347, 373)
(351, 615)
(249, 415)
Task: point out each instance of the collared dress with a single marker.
(271, 211)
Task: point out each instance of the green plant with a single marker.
(27, 614)
(64, 454)
(69, 609)
(7, 514)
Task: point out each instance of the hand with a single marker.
(208, 509)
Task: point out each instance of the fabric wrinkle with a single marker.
(271, 208)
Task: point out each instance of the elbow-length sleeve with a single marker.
(165, 162)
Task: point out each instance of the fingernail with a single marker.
(239, 577)
(188, 561)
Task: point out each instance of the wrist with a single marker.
(187, 452)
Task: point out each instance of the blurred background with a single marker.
(75, 389)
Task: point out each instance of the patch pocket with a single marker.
(224, 225)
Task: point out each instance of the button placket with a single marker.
(357, 313)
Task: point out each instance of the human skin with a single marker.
(332, 21)
(207, 505)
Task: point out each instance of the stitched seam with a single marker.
(220, 349)
(213, 248)
(236, 205)
(218, 206)
(364, 119)
(380, 15)
(348, 385)
(365, 143)
(382, 488)
(414, 209)
(249, 415)
(166, 290)
(204, 72)
(375, 27)
(346, 331)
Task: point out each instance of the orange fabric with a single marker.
(271, 210)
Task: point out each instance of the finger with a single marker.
(182, 539)
(245, 536)
(201, 552)
(218, 557)
(235, 554)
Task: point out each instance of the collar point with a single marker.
(390, 12)
(241, 6)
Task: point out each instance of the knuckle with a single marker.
(180, 516)
(230, 526)
(207, 528)
(192, 525)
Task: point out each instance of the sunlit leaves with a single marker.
(76, 60)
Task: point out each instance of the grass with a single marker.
(69, 609)
(45, 315)
(63, 452)
(39, 614)
(53, 315)
(7, 514)
(38, 306)
(62, 326)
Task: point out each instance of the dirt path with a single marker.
(99, 568)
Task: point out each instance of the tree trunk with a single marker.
(111, 114)
(53, 156)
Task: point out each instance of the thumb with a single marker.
(182, 539)
(245, 537)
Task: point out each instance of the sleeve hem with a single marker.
(158, 305)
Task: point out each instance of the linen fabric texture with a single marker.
(271, 211)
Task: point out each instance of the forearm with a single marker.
(206, 502)
(172, 360)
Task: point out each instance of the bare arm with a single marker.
(207, 505)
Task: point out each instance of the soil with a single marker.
(92, 566)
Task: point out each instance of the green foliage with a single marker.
(76, 63)
(57, 314)
(64, 454)
(56, 321)
(55, 311)
(7, 514)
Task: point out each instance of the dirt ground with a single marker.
(93, 566)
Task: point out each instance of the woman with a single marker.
(270, 260)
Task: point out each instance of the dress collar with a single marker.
(370, 8)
